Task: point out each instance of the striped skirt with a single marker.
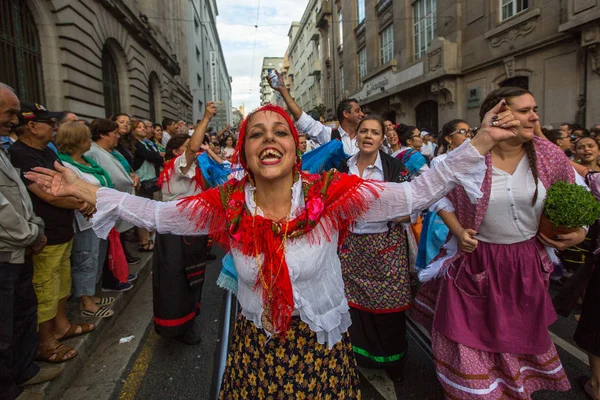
(468, 373)
(291, 368)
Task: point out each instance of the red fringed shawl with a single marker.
(167, 173)
(331, 199)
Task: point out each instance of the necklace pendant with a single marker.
(266, 322)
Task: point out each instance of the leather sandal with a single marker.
(73, 331)
(146, 247)
(102, 312)
(54, 352)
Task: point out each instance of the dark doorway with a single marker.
(427, 116)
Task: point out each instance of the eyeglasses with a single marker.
(466, 132)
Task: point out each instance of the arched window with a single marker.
(151, 106)
(110, 82)
(153, 97)
(21, 65)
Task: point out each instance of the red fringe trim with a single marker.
(167, 173)
(333, 202)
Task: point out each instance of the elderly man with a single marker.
(21, 235)
(52, 267)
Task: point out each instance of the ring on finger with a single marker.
(494, 123)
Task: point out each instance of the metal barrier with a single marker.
(230, 311)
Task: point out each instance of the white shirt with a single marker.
(314, 266)
(180, 185)
(510, 218)
(322, 133)
(165, 138)
(373, 172)
(427, 149)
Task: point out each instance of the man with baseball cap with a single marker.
(51, 267)
(21, 235)
(428, 145)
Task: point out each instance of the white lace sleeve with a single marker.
(163, 217)
(464, 166)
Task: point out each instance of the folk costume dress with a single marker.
(291, 336)
(374, 261)
(489, 311)
(179, 261)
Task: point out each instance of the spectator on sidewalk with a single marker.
(73, 140)
(169, 129)
(105, 137)
(67, 117)
(157, 139)
(428, 148)
(52, 266)
(21, 234)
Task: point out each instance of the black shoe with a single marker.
(191, 337)
(132, 259)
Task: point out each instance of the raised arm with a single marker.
(464, 166)
(198, 137)
(304, 123)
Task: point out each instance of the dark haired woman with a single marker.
(435, 231)
(283, 228)
(410, 141)
(146, 161)
(489, 325)
(157, 138)
(178, 262)
(374, 261)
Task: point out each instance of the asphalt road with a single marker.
(167, 369)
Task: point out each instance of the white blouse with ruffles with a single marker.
(314, 268)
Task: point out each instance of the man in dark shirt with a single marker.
(51, 267)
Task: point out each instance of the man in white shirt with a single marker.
(348, 113)
(169, 129)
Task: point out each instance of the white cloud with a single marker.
(236, 25)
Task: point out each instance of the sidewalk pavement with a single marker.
(87, 344)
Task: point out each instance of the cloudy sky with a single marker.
(238, 35)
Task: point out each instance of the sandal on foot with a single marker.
(102, 312)
(73, 330)
(55, 352)
(105, 301)
(146, 247)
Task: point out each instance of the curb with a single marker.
(87, 344)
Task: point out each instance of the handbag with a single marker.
(149, 185)
(117, 262)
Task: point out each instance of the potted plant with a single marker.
(568, 206)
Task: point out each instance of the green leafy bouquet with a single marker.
(569, 206)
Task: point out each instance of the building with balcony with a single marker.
(98, 58)
(208, 76)
(305, 59)
(269, 63)
(436, 60)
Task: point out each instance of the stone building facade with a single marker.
(99, 57)
(305, 59)
(435, 60)
(208, 76)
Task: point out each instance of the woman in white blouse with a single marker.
(488, 307)
(283, 228)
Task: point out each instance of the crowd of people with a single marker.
(326, 263)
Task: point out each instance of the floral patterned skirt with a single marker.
(295, 368)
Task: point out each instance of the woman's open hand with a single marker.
(61, 182)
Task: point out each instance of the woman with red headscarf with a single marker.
(283, 228)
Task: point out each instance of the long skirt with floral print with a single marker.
(295, 368)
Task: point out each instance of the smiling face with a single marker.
(587, 151)
(370, 137)
(524, 110)
(124, 123)
(158, 133)
(392, 138)
(139, 131)
(269, 146)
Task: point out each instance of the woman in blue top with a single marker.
(410, 141)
